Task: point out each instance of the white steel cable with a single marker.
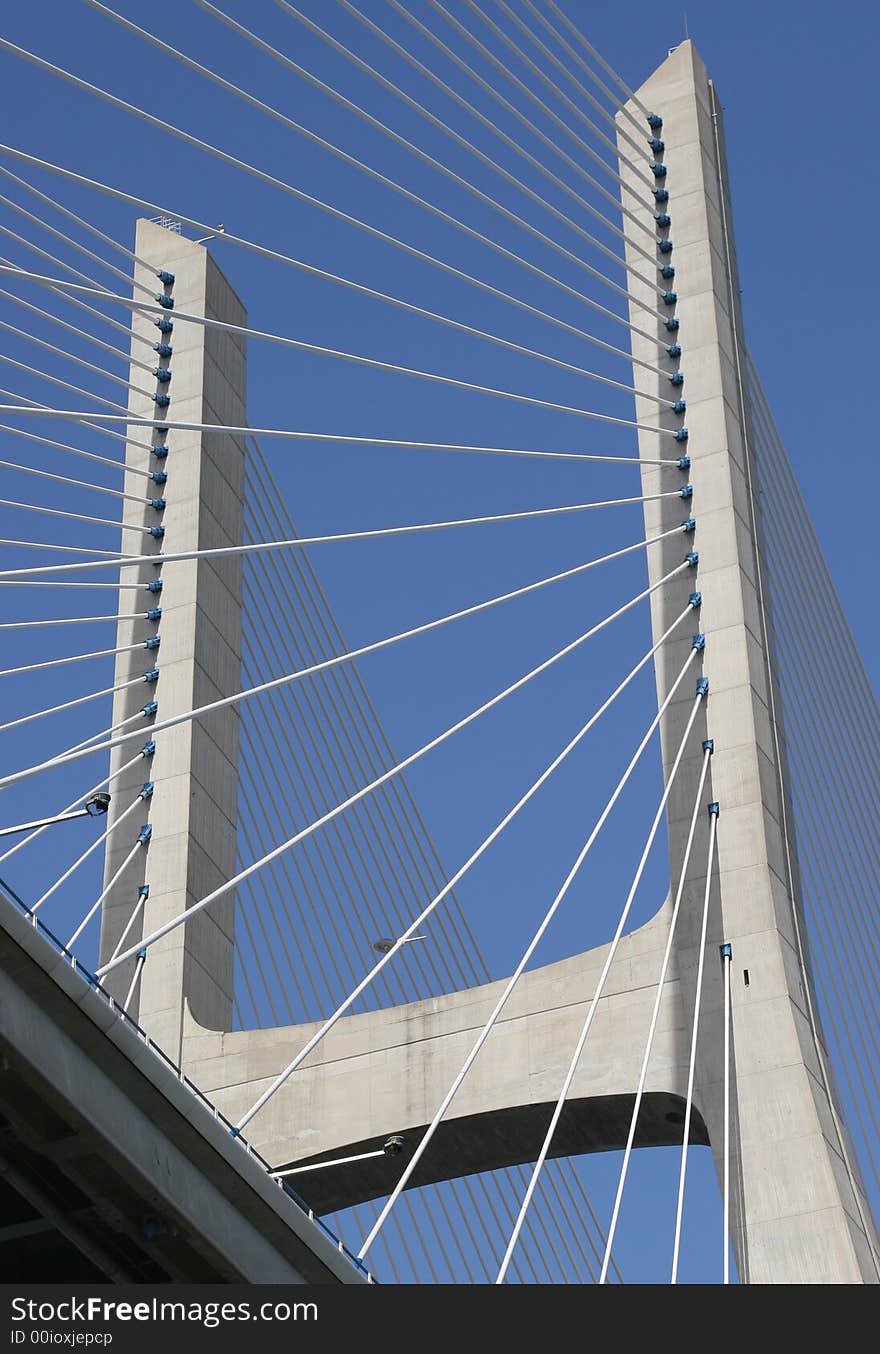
(337, 659)
(29, 583)
(71, 328)
(541, 104)
(532, 127)
(524, 799)
(360, 359)
(692, 1062)
(597, 81)
(389, 41)
(93, 846)
(446, 320)
(290, 261)
(264, 177)
(544, 78)
(135, 913)
(77, 517)
(260, 547)
(598, 993)
(79, 220)
(298, 435)
(138, 970)
(514, 978)
(533, 98)
(655, 1015)
(492, 126)
(68, 479)
(73, 658)
(352, 799)
(74, 620)
(726, 959)
(57, 381)
(484, 84)
(398, 139)
(68, 705)
(599, 59)
(66, 239)
(72, 357)
(102, 784)
(111, 884)
(61, 549)
(439, 123)
(36, 406)
(75, 272)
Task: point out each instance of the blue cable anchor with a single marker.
(145, 833)
(160, 504)
(162, 374)
(150, 709)
(698, 642)
(146, 790)
(668, 270)
(152, 642)
(158, 531)
(696, 600)
(166, 278)
(154, 614)
(692, 558)
(709, 745)
(679, 406)
(684, 462)
(155, 585)
(660, 194)
(159, 450)
(657, 146)
(674, 350)
(686, 492)
(167, 302)
(152, 675)
(655, 122)
(681, 435)
(148, 748)
(159, 476)
(161, 399)
(163, 324)
(714, 808)
(658, 170)
(702, 686)
(689, 525)
(671, 323)
(676, 378)
(163, 349)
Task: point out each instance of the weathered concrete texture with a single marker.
(193, 808)
(796, 1218)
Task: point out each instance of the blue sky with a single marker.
(795, 97)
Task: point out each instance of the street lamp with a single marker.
(95, 807)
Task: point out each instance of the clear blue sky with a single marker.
(795, 89)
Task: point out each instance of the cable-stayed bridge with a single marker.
(488, 355)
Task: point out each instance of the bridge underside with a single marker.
(111, 1169)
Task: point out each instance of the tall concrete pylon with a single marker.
(194, 771)
(797, 1216)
